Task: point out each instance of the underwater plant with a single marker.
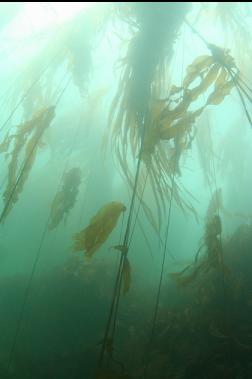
(168, 127)
(152, 127)
(126, 269)
(68, 46)
(213, 255)
(25, 141)
(101, 225)
(233, 19)
(65, 199)
(142, 74)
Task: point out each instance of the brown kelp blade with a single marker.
(25, 141)
(100, 227)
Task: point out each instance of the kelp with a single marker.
(100, 227)
(233, 17)
(79, 38)
(211, 75)
(25, 142)
(138, 80)
(155, 25)
(168, 126)
(222, 57)
(66, 48)
(216, 206)
(126, 270)
(213, 256)
(65, 199)
(126, 276)
(142, 77)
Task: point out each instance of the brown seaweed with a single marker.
(101, 225)
(25, 141)
(65, 199)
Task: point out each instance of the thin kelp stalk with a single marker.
(139, 206)
(240, 90)
(34, 266)
(161, 274)
(124, 252)
(36, 260)
(135, 91)
(131, 116)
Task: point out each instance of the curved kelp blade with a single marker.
(100, 227)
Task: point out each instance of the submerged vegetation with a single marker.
(213, 258)
(101, 225)
(65, 199)
(26, 139)
(174, 125)
(186, 321)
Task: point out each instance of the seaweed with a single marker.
(25, 141)
(101, 225)
(166, 126)
(65, 199)
(212, 258)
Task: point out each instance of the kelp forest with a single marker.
(126, 181)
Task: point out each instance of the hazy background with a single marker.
(75, 138)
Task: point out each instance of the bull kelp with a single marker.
(125, 153)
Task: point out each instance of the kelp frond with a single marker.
(25, 143)
(101, 225)
(233, 17)
(213, 255)
(169, 124)
(65, 199)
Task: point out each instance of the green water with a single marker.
(54, 301)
